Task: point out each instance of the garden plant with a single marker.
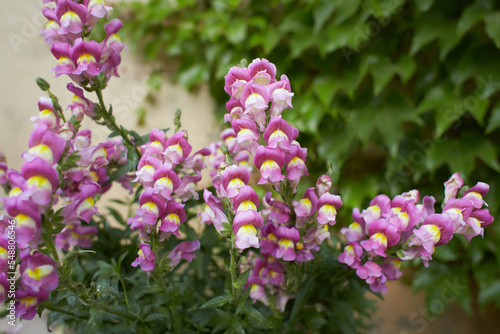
(256, 248)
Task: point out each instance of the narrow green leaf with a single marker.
(257, 319)
(154, 316)
(301, 296)
(216, 302)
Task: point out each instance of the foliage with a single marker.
(395, 93)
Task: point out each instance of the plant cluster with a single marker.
(387, 90)
(272, 243)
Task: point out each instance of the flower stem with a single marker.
(232, 269)
(110, 122)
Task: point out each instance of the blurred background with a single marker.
(396, 94)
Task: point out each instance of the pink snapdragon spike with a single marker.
(83, 206)
(96, 10)
(213, 213)
(146, 258)
(27, 302)
(177, 148)
(269, 161)
(295, 165)
(51, 31)
(146, 169)
(233, 178)
(235, 81)
(185, 250)
(281, 95)
(166, 181)
(328, 205)
(75, 235)
(262, 71)
(307, 205)
(247, 136)
(410, 230)
(476, 194)
(80, 105)
(287, 238)
(452, 186)
(279, 133)
(245, 225)
(173, 216)
(255, 99)
(72, 16)
(151, 207)
(38, 272)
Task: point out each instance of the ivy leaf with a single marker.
(301, 41)
(382, 71)
(325, 89)
(236, 32)
(406, 68)
(494, 121)
(492, 27)
(195, 74)
(472, 15)
(423, 5)
(434, 27)
(341, 36)
(321, 12)
(477, 108)
(345, 9)
(460, 154)
(354, 192)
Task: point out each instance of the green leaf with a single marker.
(345, 9)
(354, 192)
(325, 88)
(216, 302)
(477, 108)
(382, 71)
(242, 280)
(257, 319)
(321, 12)
(192, 76)
(237, 31)
(406, 68)
(472, 15)
(154, 316)
(460, 154)
(301, 296)
(431, 27)
(492, 27)
(423, 5)
(494, 120)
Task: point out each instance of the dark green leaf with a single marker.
(216, 302)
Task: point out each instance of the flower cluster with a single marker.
(30, 196)
(168, 172)
(284, 229)
(60, 168)
(391, 231)
(69, 23)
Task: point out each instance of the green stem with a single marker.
(61, 310)
(125, 292)
(232, 269)
(47, 225)
(111, 122)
